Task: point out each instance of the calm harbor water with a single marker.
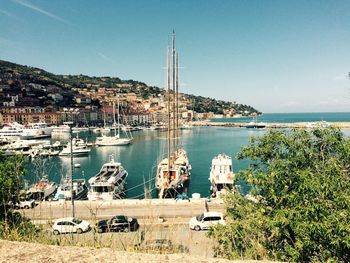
(141, 157)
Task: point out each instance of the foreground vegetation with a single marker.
(301, 206)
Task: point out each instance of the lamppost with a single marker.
(71, 165)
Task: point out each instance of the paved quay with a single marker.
(146, 210)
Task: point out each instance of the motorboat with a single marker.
(42, 190)
(80, 190)
(14, 131)
(221, 175)
(61, 131)
(111, 141)
(38, 130)
(109, 183)
(77, 150)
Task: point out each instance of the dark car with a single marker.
(117, 223)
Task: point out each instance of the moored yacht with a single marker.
(114, 140)
(42, 190)
(221, 175)
(109, 183)
(173, 176)
(77, 150)
(80, 190)
(38, 130)
(14, 131)
(173, 172)
(255, 124)
(61, 130)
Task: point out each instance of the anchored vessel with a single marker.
(42, 190)
(173, 172)
(79, 148)
(13, 131)
(221, 174)
(64, 190)
(115, 140)
(109, 183)
(255, 124)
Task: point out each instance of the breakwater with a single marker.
(271, 125)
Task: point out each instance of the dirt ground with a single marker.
(12, 252)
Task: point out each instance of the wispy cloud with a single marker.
(6, 13)
(42, 11)
(104, 57)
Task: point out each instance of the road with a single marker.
(159, 219)
(147, 210)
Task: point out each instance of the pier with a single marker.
(145, 210)
(269, 125)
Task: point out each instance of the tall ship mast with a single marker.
(173, 172)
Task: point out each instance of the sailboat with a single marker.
(255, 124)
(173, 172)
(115, 140)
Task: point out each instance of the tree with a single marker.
(12, 224)
(299, 208)
(11, 180)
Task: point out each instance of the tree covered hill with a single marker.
(20, 75)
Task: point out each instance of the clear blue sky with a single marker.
(278, 56)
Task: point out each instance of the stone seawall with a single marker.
(341, 125)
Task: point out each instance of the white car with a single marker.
(206, 220)
(26, 204)
(70, 225)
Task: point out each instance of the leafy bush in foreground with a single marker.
(301, 210)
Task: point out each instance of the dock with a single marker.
(269, 125)
(146, 210)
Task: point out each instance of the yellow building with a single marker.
(31, 117)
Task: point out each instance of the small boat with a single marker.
(115, 140)
(80, 190)
(77, 165)
(42, 190)
(76, 150)
(80, 129)
(255, 124)
(109, 183)
(221, 175)
(112, 141)
(96, 130)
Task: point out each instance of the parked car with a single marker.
(162, 246)
(70, 225)
(206, 220)
(26, 204)
(117, 223)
